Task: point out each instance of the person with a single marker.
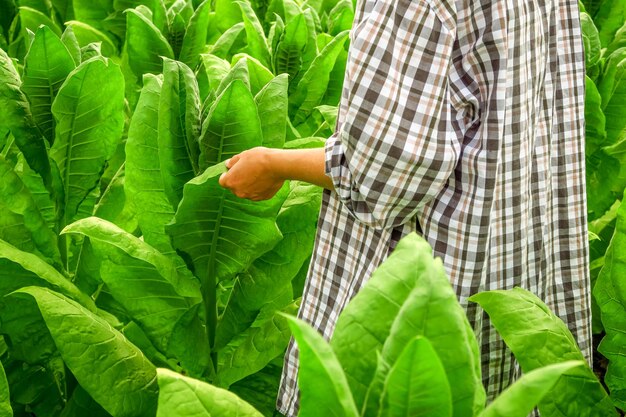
(462, 120)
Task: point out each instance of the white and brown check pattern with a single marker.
(462, 120)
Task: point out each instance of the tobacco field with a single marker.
(133, 285)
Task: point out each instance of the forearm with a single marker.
(301, 164)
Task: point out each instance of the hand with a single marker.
(251, 175)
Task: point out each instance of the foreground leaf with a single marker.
(417, 385)
(519, 399)
(112, 370)
(610, 293)
(5, 400)
(324, 390)
(180, 396)
(538, 338)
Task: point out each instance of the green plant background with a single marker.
(132, 284)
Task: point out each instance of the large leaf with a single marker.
(260, 346)
(179, 128)
(258, 74)
(144, 183)
(232, 126)
(313, 84)
(595, 121)
(538, 338)
(609, 18)
(5, 400)
(610, 293)
(92, 12)
(17, 117)
(272, 103)
(22, 224)
(89, 111)
(24, 269)
(194, 41)
(261, 283)
(229, 14)
(290, 48)
(257, 43)
(47, 65)
(86, 34)
(145, 44)
(409, 294)
(147, 285)
(180, 396)
(220, 233)
(519, 399)
(230, 42)
(324, 389)
(417, 385)
(432, 310)
(112, 370)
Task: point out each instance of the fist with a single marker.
(251, 174)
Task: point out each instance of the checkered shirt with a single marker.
(464, 121)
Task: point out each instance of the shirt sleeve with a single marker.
(394, 149)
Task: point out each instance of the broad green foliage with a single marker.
(123, 253)
(419, 379)
(606, 174)
(610, 293)
(181, 396)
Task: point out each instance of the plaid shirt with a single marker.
(464, 121)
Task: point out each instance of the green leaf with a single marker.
(323, 386)
(182, 396)
(610, 294)
(409, 294)
(28, 269)
(92, 12)
(89, 111)
(260, 346)
(232, 126)
(258, 74)
(5, 400)
(272, 104)
(194, 41)
(145, 44)
(313, 85)
(86, 34)
(147, 285)
(47, 65)
(261, 389)
(239, 71)
(595, 122)
(417, 385)
(222, 234)
(71, 44)
(144, 185)
(230, 42)
(432, 310)
(260, 284)
(291, 46)
(341, 17)
(32, 19)
(538, 338)
(22, 225)
(210, 74)
(609, 18)
(519, 399)
(257, 43)
(179, 128)
(112, 370)
(81, 404)
(17, 117)
(229, 14)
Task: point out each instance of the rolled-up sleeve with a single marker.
(394, 149)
